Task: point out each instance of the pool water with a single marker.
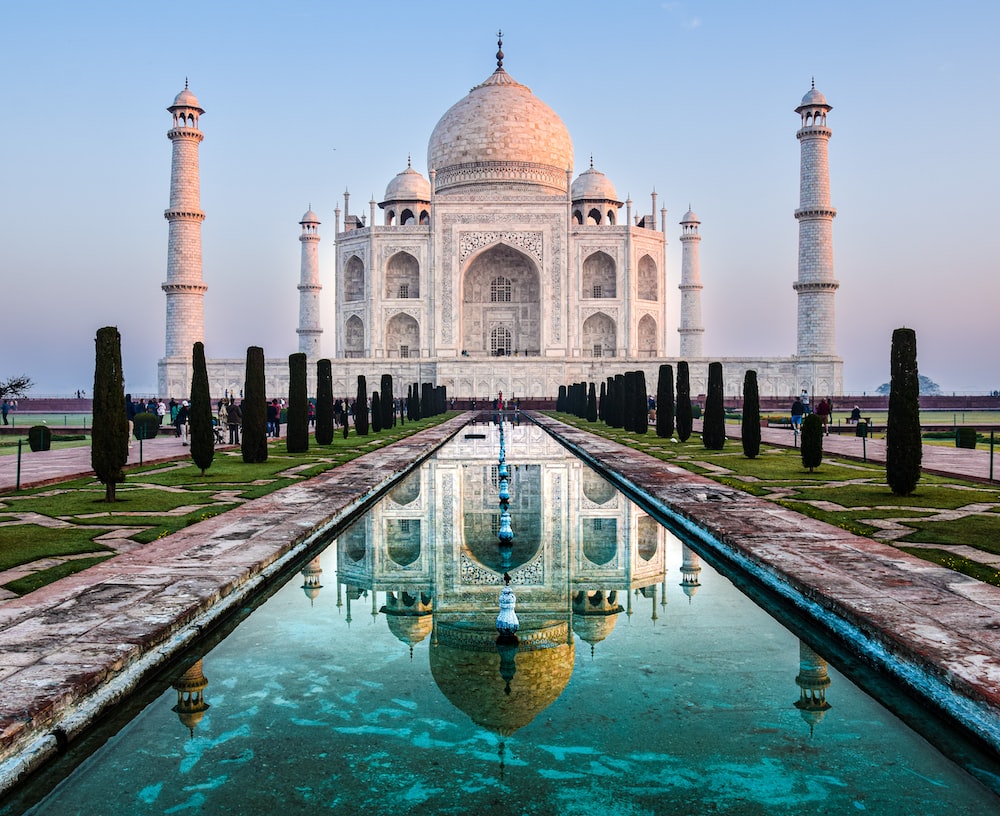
(643, 681)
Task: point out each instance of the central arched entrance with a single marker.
(501, 304)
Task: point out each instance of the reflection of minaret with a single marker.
(813, 681)
(191, 705)
(595, 614)
(690, 567)
(310, 579)
(650, 592)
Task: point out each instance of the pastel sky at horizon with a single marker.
(693, 99)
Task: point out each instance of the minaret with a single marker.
(184, 287)
(690, 328)
(309, 329)
(816, 286)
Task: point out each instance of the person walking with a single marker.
(234, 418)
(823, 412)
(181, 422)
(797, 410)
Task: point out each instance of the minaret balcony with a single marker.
(816, 212)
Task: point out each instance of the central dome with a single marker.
(500, 134)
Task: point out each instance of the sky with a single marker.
(693, 99)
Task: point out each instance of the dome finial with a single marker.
(814, 83)
(591, 161)
(499, 50)
(185, 83)
(409, 164)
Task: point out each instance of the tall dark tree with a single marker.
(253, 444)
(200, 415)
(628, 406)
(417, 407)
(750, 429)
(592, 404)
(684, 418)
(385, 401)
(361, 407)
(324, 402)
(109, 436)
(619, 402)
(602, 408)
(812, 442)
(297, 432)
(641, 421)
(665, 402)
(561, 399)
(903, 449)
(428, 407)
(713, 429)
(376, 412)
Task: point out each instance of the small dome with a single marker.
(309, 218)
(408, 186)
(813, 99)
(690, 217)
(593, 184)
(186, 99)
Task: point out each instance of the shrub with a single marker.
(145, 425)
(966, 438)
(812, 442)
(109, 437)
(39, 438)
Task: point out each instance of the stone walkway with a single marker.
(70, 649)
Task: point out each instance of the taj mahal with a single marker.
(499, 271)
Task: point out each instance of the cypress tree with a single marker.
(361, 407)
(602, 408)
(376, 412)
(684, 419)
(324, 402)
(417, 407)
(109, 435)
(200, 416)
(592, 404)
(750, 430)
(665, 402)
(427, 406)
(628, 405)
(641, 420)
(385, 401)
(812, 442)
(253, 444)
(561, 399)
(713, 429)
(297, 432)
(902, 437)
(619, 402)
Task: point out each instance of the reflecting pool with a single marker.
(642, 680)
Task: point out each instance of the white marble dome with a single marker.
(309, 218)
(690, 217)
(500, 134)
(593, 185)
(408, 186)
(813, 98)
(186, 99)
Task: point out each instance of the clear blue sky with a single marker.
(307, 99)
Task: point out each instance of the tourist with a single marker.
(6, 410)
(181, 422)
(272, 413)
(161, 410)
(797, 410)
(311, 414)
(823, 412)
(805, 402)
(855, 415)
(234, 418)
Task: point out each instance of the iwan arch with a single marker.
(500, 271)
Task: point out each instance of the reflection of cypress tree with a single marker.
(713, 429)
(376, 412)
(361, 407)
(109, 436)
(385, 401)
(750, 429)
(684, 420)
(812, 442)
(902, 438)
(253, 445)
(665, 402)
(297, 433)
(200, 416)
(324, 402)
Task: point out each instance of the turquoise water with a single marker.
(643, 682)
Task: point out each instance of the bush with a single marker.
(39, 438)
(966, 438)
(145, 426)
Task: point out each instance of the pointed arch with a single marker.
(402, 336)
(354, 279)
(647, 335)
(501, 292)
(354, 337)
(600, 336)
(600, 276)
(648, 288)
(402, 276)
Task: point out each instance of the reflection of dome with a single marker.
(500, 133)
(594, 185)
(408, 186)
(409, 629)
(595, 615)
(465, 665)
(311, 579)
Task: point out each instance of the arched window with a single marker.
(402, 276)
(354, 279)
(500, 290)
(647, 278)
(599, 276)
(500, 342)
